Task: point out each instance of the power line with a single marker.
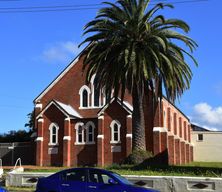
(188, 1)
(72, 7)
(52, 7)
(48, 10)
(8, 0)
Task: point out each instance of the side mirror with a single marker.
(112, 182)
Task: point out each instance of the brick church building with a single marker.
(75, 127)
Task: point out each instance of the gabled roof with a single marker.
(127, 106)
(67, 110)
(73, 62)
(198, 128)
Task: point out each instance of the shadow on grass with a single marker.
(159, 166)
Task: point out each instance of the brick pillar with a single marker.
(67, 144)
(177, 151)
(185, 130)
(183, 153)
(171, 150)
(191, 153)
(187, 153)
(38, 109)
(189, 133)
(160, 141)
(39, 142)
(129, 135)
(156, 142)
(175, 124)
(100, 142)
(180, 127)
(169, 124)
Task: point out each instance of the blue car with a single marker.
(2, 189)
(87, 180)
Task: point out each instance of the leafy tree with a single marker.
(31, 122)
(15, 136)
(131, 48)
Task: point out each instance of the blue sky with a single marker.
(36, 47)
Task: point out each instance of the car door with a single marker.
(98, 181)
(73, 180)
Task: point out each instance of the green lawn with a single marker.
(20, 189)
(199, 169)
(196, 169)
(206, 164)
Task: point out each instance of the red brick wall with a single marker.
(183, 152)
(171, 150)
(114, 112)
(178, 151)
(83, 154)
(56, 116)
(149, 123)
(66, 90)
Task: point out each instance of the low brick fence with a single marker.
(161, 183)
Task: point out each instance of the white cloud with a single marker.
(207, 116)
(60, 52)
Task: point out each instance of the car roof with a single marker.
(89, 168)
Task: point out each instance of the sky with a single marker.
(36, 46)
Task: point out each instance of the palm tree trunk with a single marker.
(138, 121)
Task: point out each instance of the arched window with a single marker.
(53, 134)
(84, 93)
(84, 98)
(80, 133)
(90, 127)
(115, 131)
(96, 99)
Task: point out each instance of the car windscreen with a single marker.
(122, 179)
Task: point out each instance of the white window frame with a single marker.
(88, 124)
(93, 94)
(112, 131)
(77, 133)
(84, 87)
(199, 140)
(51, 126)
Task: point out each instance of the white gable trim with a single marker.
(124, 104)
(49, 105)
(57, 78)
(56, 104)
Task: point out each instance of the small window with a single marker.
(200, 137)
(74, 175)
(90, 126)
(85, 98)
(85, 133)
(53, 134)
(90, 133)
(96, 97)
(84, 93)
(80, 131)
(115, 131)
(99, 177)
(80, 134)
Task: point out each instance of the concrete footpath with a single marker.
(162, 183)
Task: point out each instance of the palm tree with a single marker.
(133, 49)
